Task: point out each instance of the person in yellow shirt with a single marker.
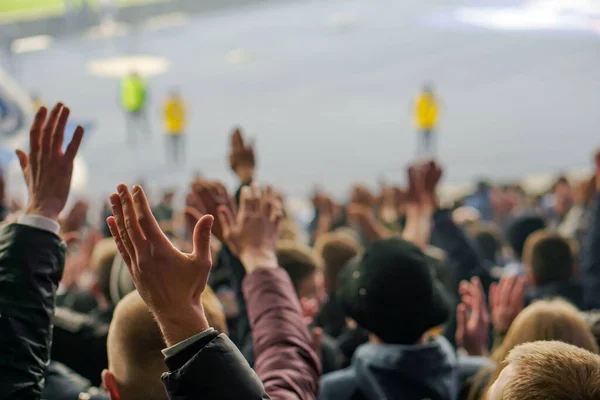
(426, 115)
(174, 123)
(133, 100)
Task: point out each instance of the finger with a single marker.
(114, 231)
(202, 238)
(58, 134)
(145, 219)
(276, 216)
(73, 146)
(49, 128)
(493, 294)
(35, 134)
(23, 159)
(117, 210)
(518, 294)
(131, 217)
(254, 204)
(478, 291)
(506, 289)
(237, 141)
(245, 198)
(227, 220)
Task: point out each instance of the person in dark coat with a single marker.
(390, 292)
(32, 257)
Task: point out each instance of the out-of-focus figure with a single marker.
(134, 98)
(36, 102)
(174, 122)
(426, 115)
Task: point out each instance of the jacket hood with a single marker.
(417, 372)
(571, 291)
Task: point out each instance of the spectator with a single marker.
(389, 291)
(135, 361)
(543, 320)
(517, 233)
(550, 268)
(32, 262)
(562, 372)
(336, 249)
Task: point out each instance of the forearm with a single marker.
(285, 361)
(418, 228)
(31, 263)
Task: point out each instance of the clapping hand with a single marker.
(507, 299)
(47, 169)
(170, 282)
(253, 232)
(472, 318)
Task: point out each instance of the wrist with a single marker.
(245, 173)
(33, 209)
(179, 326)
(255, 258)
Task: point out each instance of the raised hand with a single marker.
(170, 282)
(241, 157)
(421, 202)
(252, 234)
(507, 299)
(208, 196)
(472, 318)
(47, 169)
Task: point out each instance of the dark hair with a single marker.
(550, 257)
(520, 229)
(489, 240)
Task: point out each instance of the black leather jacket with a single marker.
(31, 265)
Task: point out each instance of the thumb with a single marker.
(23, 161)
(202, 236)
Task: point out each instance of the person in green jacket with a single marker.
(133, 100)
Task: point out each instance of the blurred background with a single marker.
(325, 88)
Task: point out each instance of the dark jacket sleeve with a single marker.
(76, 334)
(464, 260)
(590, 268)
(31, 263)
(212, 368)
(285, 361)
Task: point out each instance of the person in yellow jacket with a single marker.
(133, 100)
(426, 115)
(174, 123)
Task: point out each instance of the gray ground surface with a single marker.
(332, 107)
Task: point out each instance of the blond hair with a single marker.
(135, 342)
(553, 371)
(544, 320)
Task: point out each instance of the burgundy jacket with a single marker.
(285, 361)
(286, 366)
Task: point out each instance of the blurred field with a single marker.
(53, 7)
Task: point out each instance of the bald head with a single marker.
(135, 343)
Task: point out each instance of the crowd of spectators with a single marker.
(389, 295)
